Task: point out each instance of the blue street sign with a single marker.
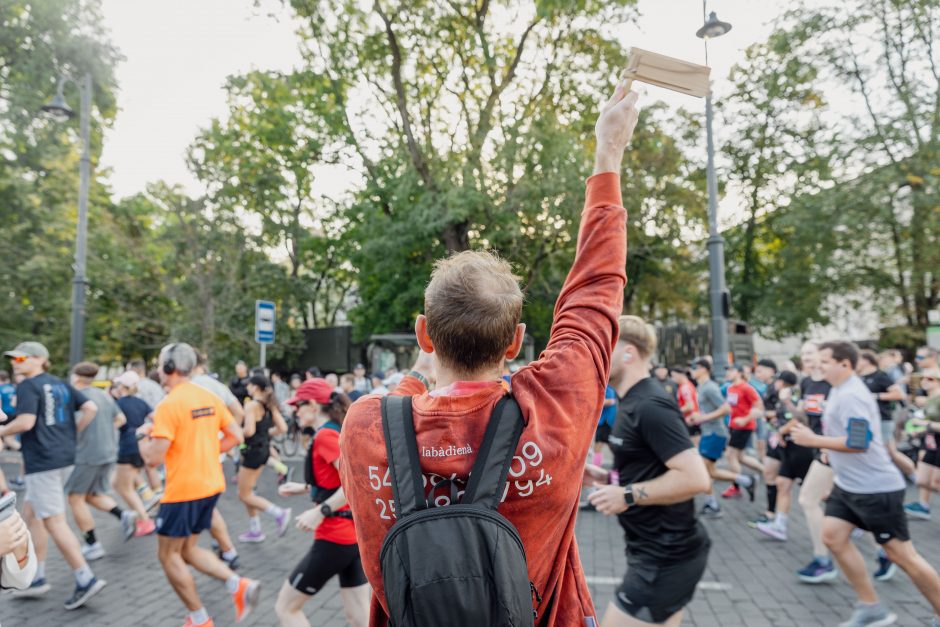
(264, 321)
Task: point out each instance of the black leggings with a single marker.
(322, 562)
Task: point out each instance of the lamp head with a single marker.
(713, 28)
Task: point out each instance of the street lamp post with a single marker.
(60, 110)
(717, 291)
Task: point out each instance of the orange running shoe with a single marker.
(245, 598)
(145, 528)
(189, 623)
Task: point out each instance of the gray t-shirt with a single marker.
(97, 444)
(710, 399)
(150, 392)
(871, 471)
(216, 387)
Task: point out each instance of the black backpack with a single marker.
(461, 565)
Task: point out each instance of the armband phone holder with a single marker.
(859, 435)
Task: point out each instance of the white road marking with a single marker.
(707, 586)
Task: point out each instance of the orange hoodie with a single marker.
(560, 395)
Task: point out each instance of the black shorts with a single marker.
(881, 513)
(255, 457)
(740, 438)
(694, 429)
(322, 562)
(602, 433)
(795, 461)
(652, 593)
(932, 457)
(185, 518)
(134, 459)
(775, 452)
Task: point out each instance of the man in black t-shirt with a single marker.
(660, 473)
(49, 415)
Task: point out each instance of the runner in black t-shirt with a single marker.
(660, 472)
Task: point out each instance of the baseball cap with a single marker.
(701, 363)
(128, 379)
(395, 379)
(85, 369)
(28, 349)
(316, 390)
(768, 363)
(933, 373)
(787, 377)
(358, 366)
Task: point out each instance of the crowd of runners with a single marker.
(389, 455)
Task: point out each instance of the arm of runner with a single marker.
(20, 424)
(119, 420)
(280, 425)
(152, 449)
(233, 436)
(87, 413)
(804, 436)
(686, 477)
(722, 411)
(894, 393)
(253, 412)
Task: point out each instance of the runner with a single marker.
(661, 374)
(605, 424)
(928, 468)
(148, 390)
(334, 551)
(49, 415)
(129, 462)
(239, 383)
(185, 437)
(869, 489)
(763, 383)
(660, 473)
(711, 418)
(746, 406)
(687, 398)
(471, 323)
(262, 420)
(95, 456)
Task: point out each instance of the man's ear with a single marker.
(421, 332)
(516, 347)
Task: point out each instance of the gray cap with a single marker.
(28, 349)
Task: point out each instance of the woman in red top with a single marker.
(334, 550)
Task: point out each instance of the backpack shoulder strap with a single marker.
(401, 446)
(495, 455)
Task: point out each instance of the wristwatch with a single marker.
(628, 496)
(326, 510)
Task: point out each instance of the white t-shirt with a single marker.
(216, 387)
(868, 472)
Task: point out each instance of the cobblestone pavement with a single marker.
(750, 580)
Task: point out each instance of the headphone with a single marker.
(169, 366)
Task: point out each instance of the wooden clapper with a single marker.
(671, 73)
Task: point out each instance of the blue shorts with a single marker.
(186, 518)
(712, 446)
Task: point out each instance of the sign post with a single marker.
(264, 326)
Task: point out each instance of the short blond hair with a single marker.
(636, 331)
(472, 305)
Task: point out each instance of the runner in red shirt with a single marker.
(334, 551)
(746, 408)
(473, 305)
(687, 397)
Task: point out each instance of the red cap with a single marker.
(316, 390)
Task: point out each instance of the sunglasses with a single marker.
(300, 404)
(920, 357)
(934, 379)
(18, 360)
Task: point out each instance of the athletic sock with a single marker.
(598, 459)
(116, 512)
(231, 584)
(83, 576)
(745, 481)
(711, 501)
(41, 570)
(781, 521)
(278, 466)
(925, 505)
(273, 510)
(199, 617)
(254, 524)
(229, 555)
(90, 537)
(772, 498)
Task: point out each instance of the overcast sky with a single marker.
(179, 52)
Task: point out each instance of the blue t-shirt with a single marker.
(609, 414)
(758, 385)
(7, 392)
(135, 411)
(50, 444)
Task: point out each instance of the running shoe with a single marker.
(282, 521)
(252, 536)
(245, 598)
(36, 589)
(817, 572)
(763, 518)
(92, 552)
(918, 511)
(144, 528)
(231, 563)
(153, 501)
(877, 616)
(128, 524)
(710, 512)
(751, 487)
(733, 492)
(773, 531)
(17, 484)
(83, 593)
(189, 623)
(283, 478)
(886, 569)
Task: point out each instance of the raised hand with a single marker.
(614, 129)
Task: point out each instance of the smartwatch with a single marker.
(628, 497)
(326, 510)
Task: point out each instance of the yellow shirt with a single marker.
(190, 417)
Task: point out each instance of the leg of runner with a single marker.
(86, 584)
(219, 532)
(837, 536)
(615, 617)
(712, 509)
(356, 604)
(816, 488)
(254, 504)
(37, 532)
(289, 606)
(917, 568)
(92, 549)
(771, 468)
(927, 476)
(124, 485)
